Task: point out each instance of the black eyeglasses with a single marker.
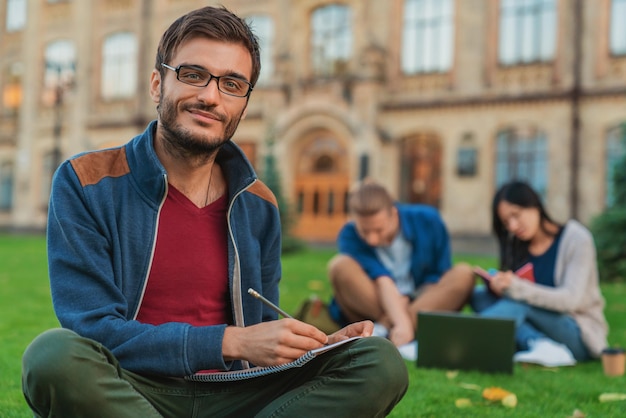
(199, 77)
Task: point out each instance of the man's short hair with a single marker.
(216, 23)
(367, 198)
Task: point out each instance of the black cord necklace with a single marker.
(208, 189)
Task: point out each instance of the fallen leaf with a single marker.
(577, 414)
(510, 400)
(463, 403)
(469, 386)
(451, 374)
(495, 393)
(609, 397)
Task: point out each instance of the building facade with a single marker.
(441, 100)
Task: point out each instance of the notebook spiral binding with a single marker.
(235, 375)
(250, 373)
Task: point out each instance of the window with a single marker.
(119, 66)
(60, 69)
(331, 42)
(6, 186)
(527, 31)
(615, 153)
(522, 155)
(263, 27)
(617, 37)
(467, 162)
(16, 15)
(427, 42)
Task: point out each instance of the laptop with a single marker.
(463, 341)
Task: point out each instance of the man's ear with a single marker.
(155, 86)
(394, 213)
(245, 112)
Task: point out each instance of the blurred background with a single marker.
(440, 100)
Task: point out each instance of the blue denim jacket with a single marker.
(422, 226)
(102, 225)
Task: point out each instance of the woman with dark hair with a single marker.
(556, 303)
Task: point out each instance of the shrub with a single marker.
(271, 178)
(609, 228)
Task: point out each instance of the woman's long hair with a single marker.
(513, 251)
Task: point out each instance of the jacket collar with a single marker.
(150, 174)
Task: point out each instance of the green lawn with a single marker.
(25, 310)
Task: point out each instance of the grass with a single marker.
(26, 310)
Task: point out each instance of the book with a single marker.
(234, 375)
(525, 272)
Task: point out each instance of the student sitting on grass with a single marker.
(151, 247)
(559, 308)
(394, 260)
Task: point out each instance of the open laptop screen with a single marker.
(462, 341)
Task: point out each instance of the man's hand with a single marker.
(402, 332)
(357, 329)
(271, 343)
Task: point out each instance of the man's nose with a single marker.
(210, 92)
(373, 240)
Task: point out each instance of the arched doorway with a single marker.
(321, 185)
(420, 170)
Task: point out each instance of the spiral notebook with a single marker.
(234, 375)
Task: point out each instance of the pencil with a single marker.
(268, 303)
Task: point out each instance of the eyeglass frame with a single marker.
(211, 77)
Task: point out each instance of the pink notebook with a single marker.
(525, 272)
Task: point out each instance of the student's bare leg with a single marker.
(354, 291)
(450, 293)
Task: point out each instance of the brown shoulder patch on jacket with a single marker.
(260, 189)
(93, 167)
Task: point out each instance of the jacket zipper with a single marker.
(153, 249)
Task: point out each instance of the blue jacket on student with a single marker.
(102, 226)
(423, 227)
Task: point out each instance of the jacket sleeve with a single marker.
(576, 277)
(424, 227)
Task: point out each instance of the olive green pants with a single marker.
(65, 375)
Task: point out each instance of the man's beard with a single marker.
(182, 142)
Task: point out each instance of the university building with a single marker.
(441, 100)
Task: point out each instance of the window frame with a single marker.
(59, 68)
(7, 185)
(263, 26)
(331, 40)
(119, 67)
(525, 157)
(518, 19)
(13, 7)
(423, 22)
(616, 24)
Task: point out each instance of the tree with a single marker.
(609, 228)
(271, 178)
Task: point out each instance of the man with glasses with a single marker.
(152, 247)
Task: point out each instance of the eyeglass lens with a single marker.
(227, 84)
